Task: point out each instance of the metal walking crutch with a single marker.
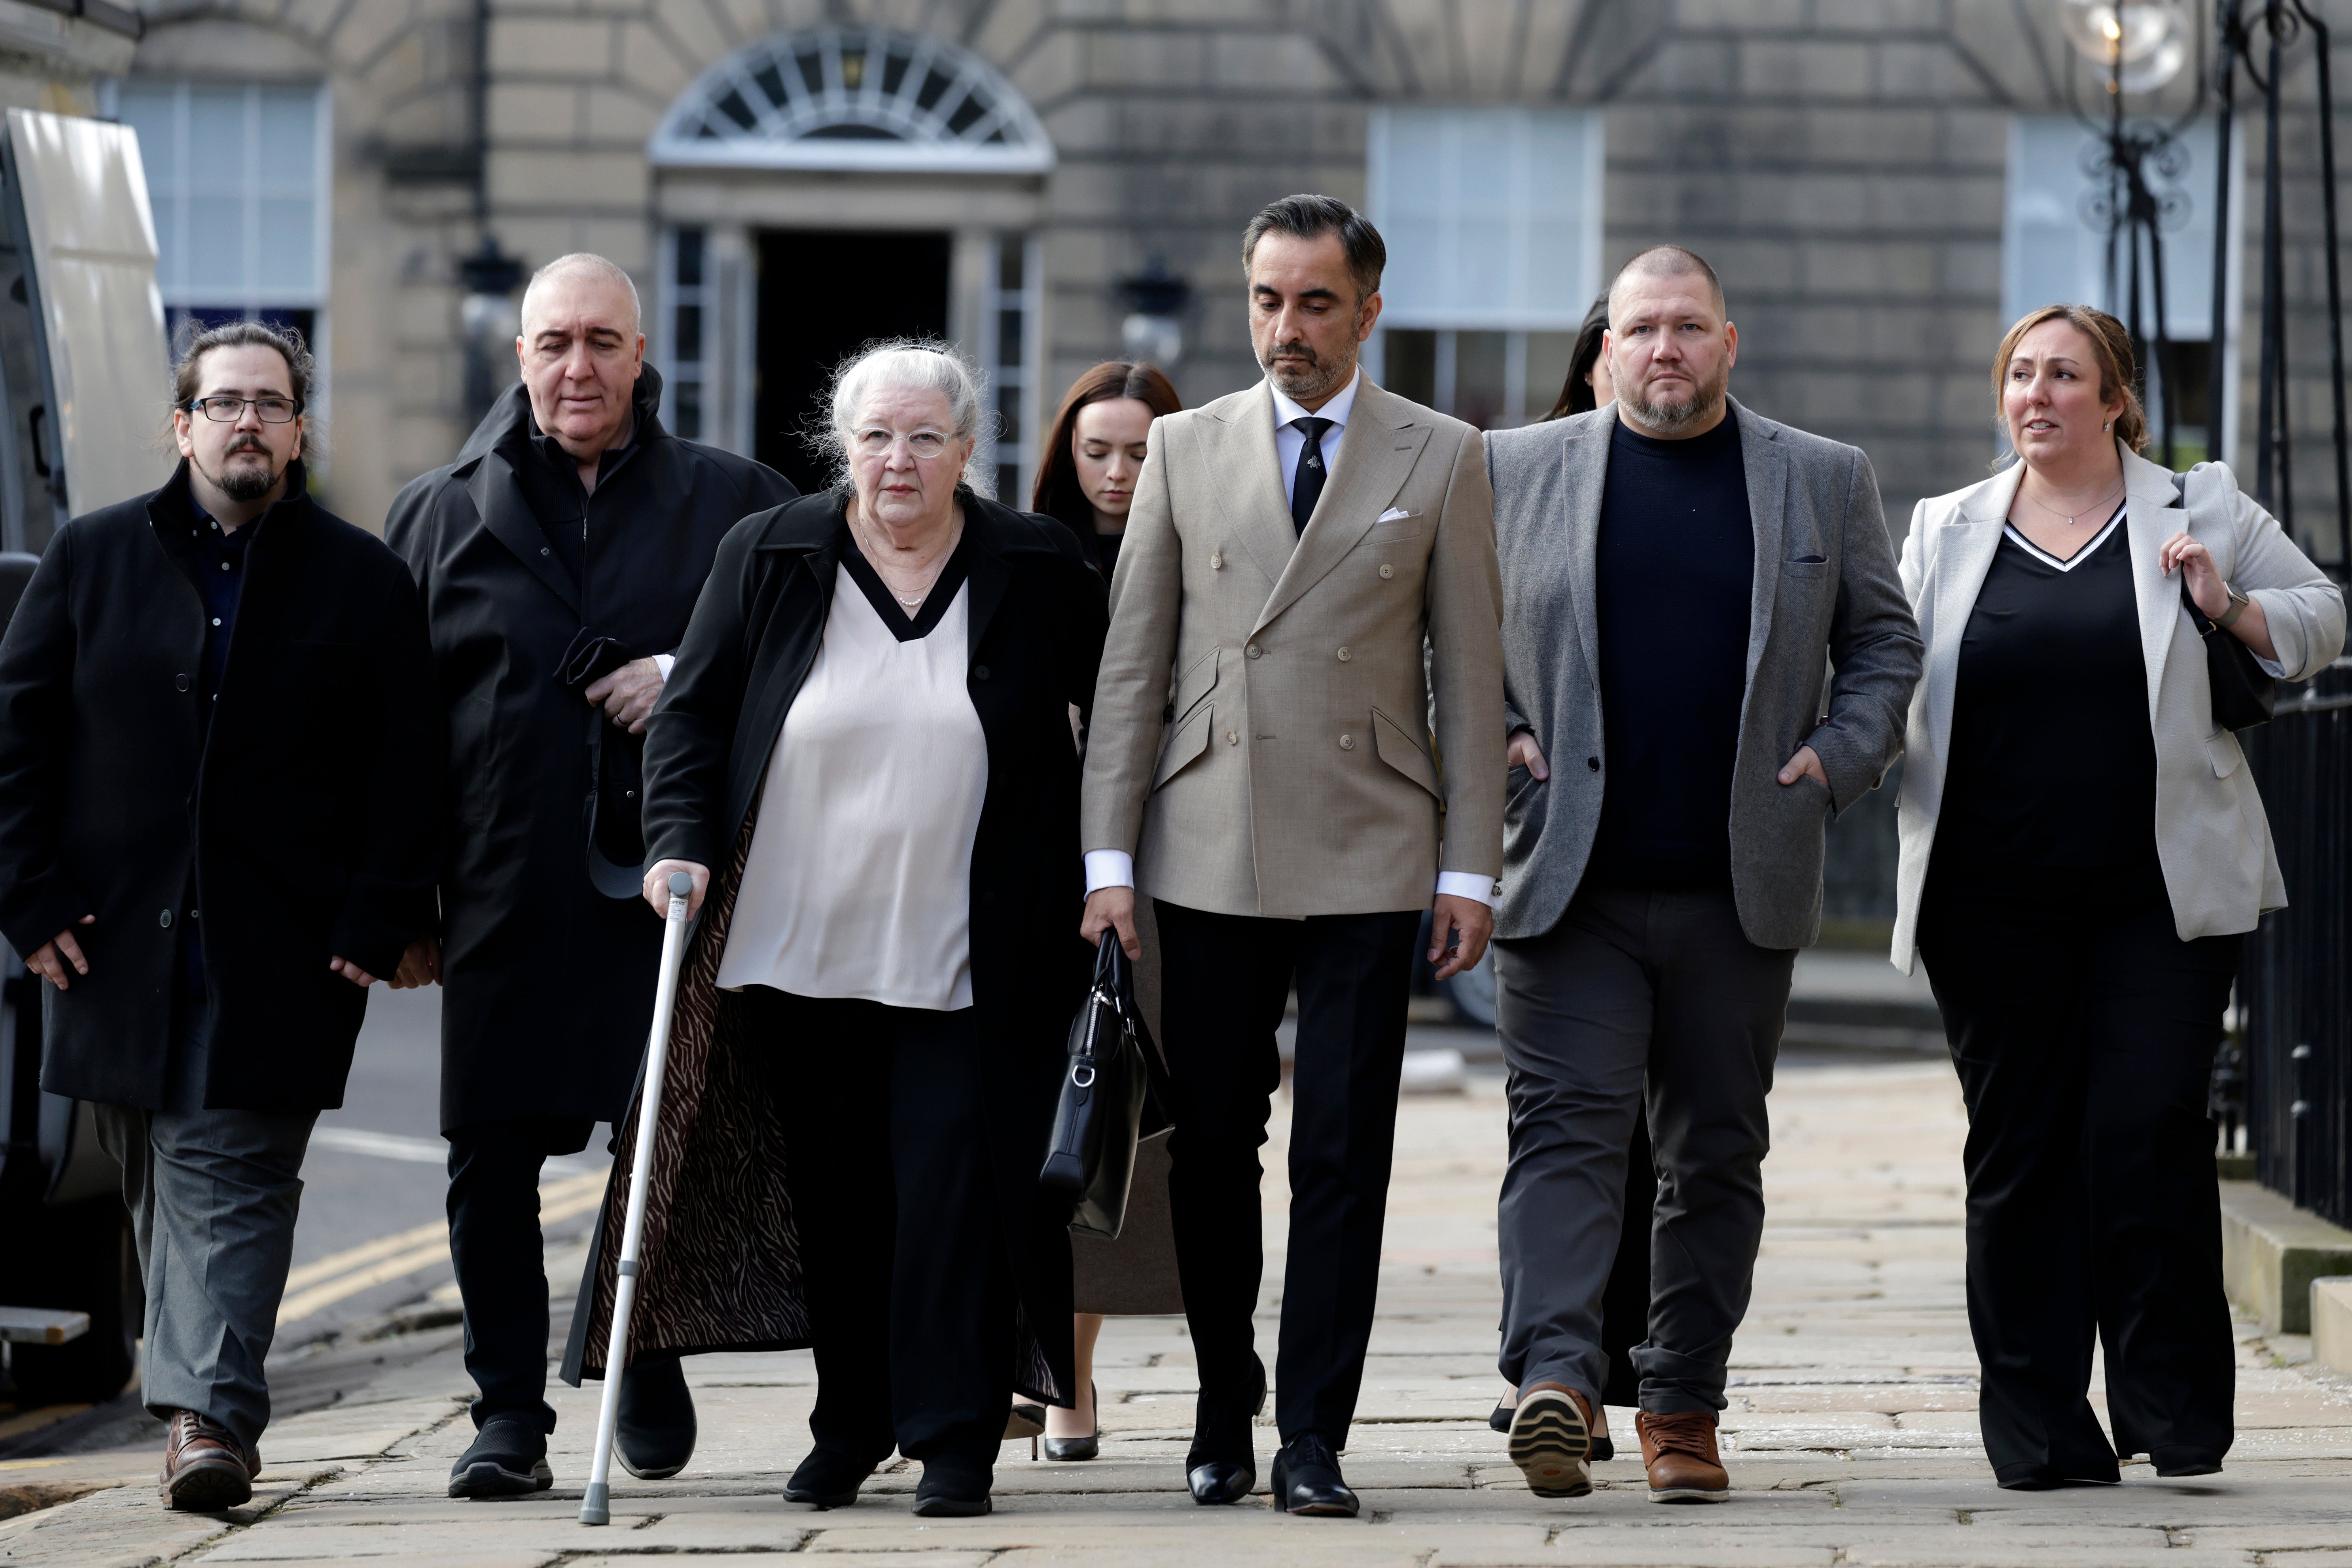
(596, 1506)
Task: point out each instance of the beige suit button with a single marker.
(1387, 570)
(1232, 738)
(1347, 742)
(1344, 656)
(1252, 650)
(1217, 562)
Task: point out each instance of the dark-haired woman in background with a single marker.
(1087, 479)
(1587, 386)
(1094, 451)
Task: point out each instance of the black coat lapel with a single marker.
(498, 502)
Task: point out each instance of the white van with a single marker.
(84, 389)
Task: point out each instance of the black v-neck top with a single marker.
(906, 628)
(2053, 759)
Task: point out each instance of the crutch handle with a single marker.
(681, 886)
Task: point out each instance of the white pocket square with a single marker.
(1391, 515)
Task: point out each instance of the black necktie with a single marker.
(1306, 484)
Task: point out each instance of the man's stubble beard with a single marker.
(1317, 380)
(1676, 419)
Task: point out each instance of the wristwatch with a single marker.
(2238, 603)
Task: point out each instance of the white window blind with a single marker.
(1492, 216)
(237, 174)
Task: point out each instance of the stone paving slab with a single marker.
(1852, 1432)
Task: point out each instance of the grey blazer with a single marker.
(1825, 592)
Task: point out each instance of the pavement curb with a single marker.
(2273, 1251)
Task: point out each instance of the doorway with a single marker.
(822, 293)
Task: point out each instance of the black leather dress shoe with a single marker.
(657, 1430)
(1221, 1480)
(2186, 1461)
(1306, 1480)
(827, 1479)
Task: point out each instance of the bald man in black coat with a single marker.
(560, 557)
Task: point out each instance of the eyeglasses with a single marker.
(229, 410)
(924, 445)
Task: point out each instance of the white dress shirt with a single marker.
(860, 878)
(1115, 868)
(1289, 440)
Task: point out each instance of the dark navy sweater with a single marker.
(1674, 571)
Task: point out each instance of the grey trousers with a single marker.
(1635, 987)
(213, 1196)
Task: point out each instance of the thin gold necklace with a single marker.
(937, 564)
(2070, 520)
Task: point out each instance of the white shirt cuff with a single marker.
(1109, 869)
(1463, 885)
(664, 662)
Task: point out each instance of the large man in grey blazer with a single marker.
(1260, 763)
(1678, 573)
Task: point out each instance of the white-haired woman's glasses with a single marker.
(922, 445)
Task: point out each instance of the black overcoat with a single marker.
(719, 1266)
(300, 827)
(548, 983)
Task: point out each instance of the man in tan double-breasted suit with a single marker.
(1261, 764)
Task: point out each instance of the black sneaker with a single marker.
(509, 1458)
(954, 1485)
(827, 1479)
(657, 1430)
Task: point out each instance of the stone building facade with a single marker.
(1048, 180)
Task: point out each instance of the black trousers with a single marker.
(910, 1284)
(1225, 979)
(1650, 1005)
(494, 1240)
(2083, 1029)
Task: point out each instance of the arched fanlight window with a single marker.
(853, 97)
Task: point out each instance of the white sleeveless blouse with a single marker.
(859, 879)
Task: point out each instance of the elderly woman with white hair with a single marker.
(864, 761)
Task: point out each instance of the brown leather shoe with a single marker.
(1678, 1450)
(204, 1467)
(1551, 1439)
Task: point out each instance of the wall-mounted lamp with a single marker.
(1157, 301)
(488, 321)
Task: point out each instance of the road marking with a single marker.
(322, 1283)
(423, 1151)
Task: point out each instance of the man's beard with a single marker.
(1677, 417)
(1313, 379)
(243, 481)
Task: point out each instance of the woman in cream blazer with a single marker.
(2082, 851)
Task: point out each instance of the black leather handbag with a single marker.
(2244, 695)
(1091, 1157)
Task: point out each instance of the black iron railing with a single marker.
(2295, 988)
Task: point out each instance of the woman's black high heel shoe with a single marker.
(1084, 1447)
(1024, 1420)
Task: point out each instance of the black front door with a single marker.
(822, 293)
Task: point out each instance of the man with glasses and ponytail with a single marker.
(220, 757)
